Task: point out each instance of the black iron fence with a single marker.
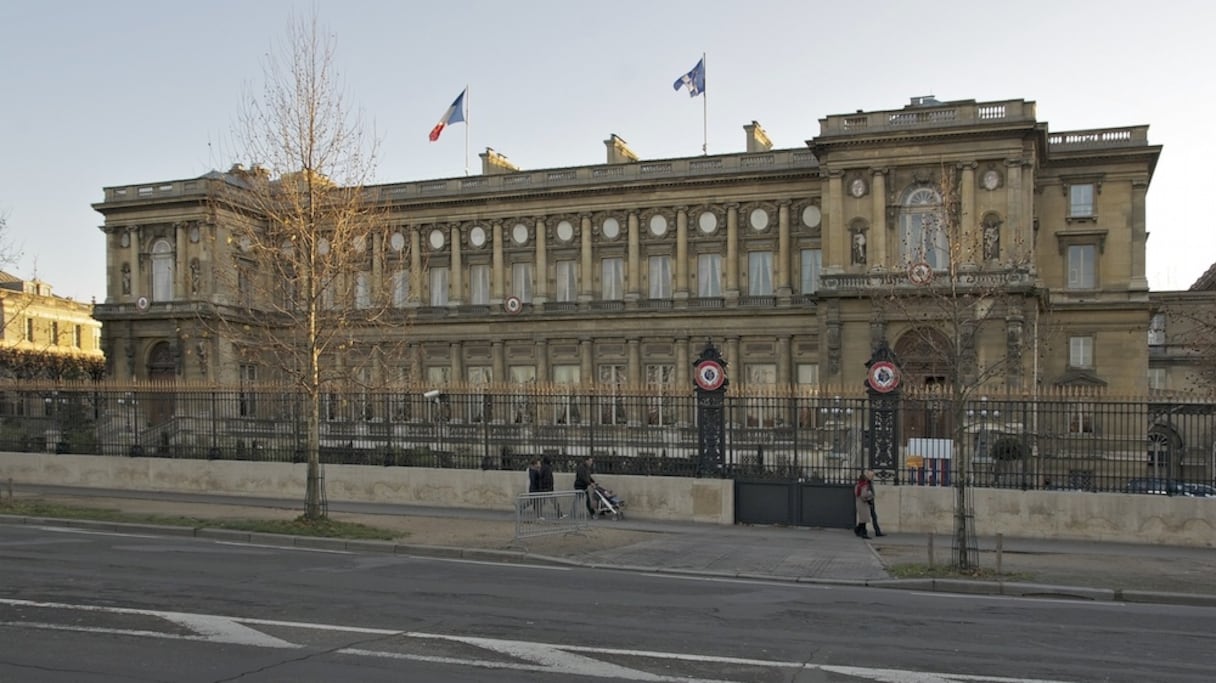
(1084, 442)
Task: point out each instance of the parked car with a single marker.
(1160, 487)
(1199, 490)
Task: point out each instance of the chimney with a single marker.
(618, 151)
(493, 163)
(757, 139)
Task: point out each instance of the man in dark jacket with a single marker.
(534, 485)
(546, 482)
(583, 481)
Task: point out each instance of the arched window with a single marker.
(162, 271)
(922, 229)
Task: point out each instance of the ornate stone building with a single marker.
(794, 261)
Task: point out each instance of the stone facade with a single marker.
(795, 262)
(36, 320)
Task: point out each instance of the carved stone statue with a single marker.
(859, 248)
(126, 278)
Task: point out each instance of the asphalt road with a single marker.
(88, 607)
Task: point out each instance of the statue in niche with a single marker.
(126, 278)
(992, 238)
(859, 248)
(194, 275)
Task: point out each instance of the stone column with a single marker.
(586, 365)
(1018, 228)
(542, 362)
(498, 279)
(784, 258)
(586, 277)
(415, 298)
(1138, 280)
(633, 373)
(498, 358)
(379, 287)
(181, 266)
(541, 276)
(456, 351)
(785, 357)
(413, 352)
(972, 249)
(634, 283)
(457, 272)
(137, 281)
(681, 270)
(732, 252)
(833, 240)
(878, 255)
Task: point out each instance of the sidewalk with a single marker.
(1086, 570)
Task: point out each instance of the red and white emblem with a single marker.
(883, 376)
(709, 375)
(513, 305)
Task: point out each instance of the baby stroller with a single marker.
(605, 503)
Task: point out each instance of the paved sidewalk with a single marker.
(1098, 571)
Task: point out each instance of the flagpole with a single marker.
(466, 129)
(704, 112)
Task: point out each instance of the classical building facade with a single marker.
(36, 321)
(795, 262)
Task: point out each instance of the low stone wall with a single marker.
(1125, 518)
(661, 498)
(922, 509)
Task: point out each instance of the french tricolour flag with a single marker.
(454, 114)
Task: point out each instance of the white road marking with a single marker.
(92, 532)
(488, 563)
(266, 546)
(757, 582)
(551, 658)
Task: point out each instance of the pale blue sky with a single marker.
(94, 94)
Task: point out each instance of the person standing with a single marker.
(583, 481)
(869, 474)
(863, 495)
(546, 483)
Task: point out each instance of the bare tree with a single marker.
(301, 225)
(965, 301)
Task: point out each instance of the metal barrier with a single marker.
(551, 512)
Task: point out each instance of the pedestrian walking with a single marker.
(863, 494)
(546, 483)
(534, 484)
(583, 481)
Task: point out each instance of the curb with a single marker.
(953, 586)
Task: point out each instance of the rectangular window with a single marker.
(660, 405)
(1156, 330)
(479, 285)
(1081, 352)
(1081, 266)
(244, 284)
(808, 376)
(567, 281)
(439, 286)
(1081, 201)
(401, 288)
(78, 339)
(709, 275)
(55, 333)
(660, 277)
(612, 403)
(363, 290)
(247, 401)
(523, 408)
(1156, 379)
(566, 407)
(762, 411)
(480, 401)
(759, 273)
(29, 329)
(812, 264)
(1080, 418)
(521, 281)
(440, 408)
(327, 296)
(612, 279)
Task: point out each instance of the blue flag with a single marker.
(695, 80)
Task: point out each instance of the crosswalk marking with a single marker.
(551, 658)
